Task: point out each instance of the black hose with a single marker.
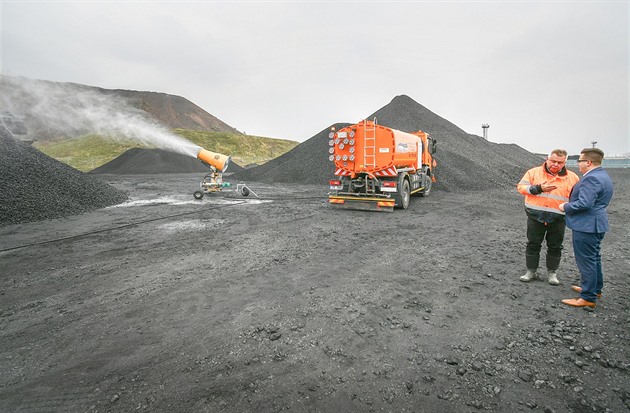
(151, 220)
(117, 227)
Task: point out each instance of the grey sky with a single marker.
(543, 74)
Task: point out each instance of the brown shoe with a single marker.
(578, 289)
(578, 302)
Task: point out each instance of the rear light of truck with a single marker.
(336, 201)
(335, 185)
(388, 186)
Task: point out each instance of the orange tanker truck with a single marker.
(378, 168)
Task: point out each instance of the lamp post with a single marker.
(485, 127)
(594, 143)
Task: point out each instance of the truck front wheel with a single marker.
(198, 194)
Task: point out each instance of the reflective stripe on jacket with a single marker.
(544, 206)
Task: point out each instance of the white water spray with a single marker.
(73, 110)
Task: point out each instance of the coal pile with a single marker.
(156, 161)
(35, 186)
(465, 161)
(306, 163)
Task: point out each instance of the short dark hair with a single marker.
(595, 155)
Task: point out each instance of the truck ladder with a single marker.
(369, 144)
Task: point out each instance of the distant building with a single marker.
(609, 161)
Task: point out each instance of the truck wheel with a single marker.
(402, 199)
(244, 191)
(198, 194)
(427, 187)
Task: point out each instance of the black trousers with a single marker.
(537, 232)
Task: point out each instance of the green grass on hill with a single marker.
(244, 149)
(88, 152)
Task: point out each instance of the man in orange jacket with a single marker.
(545, 188)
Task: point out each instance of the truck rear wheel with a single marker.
(427, 186)
(404, 195)
(198, 194)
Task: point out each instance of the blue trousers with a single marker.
(587, 249)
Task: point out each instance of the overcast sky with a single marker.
(542, 74)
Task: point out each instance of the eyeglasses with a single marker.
(582, 160)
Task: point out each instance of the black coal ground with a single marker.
(283, 304)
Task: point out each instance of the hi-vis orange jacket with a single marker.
(544, 206)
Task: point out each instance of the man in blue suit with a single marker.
(586, 216)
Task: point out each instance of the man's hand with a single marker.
(561, 206)
(547, 187)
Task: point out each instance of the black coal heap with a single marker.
(156, 161)
(35, 186)
(465, 161)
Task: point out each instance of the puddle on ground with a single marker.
(185, 200)
(192, 225)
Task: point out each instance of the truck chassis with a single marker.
(368, 192)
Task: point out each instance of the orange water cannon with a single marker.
(213, 183)
(216, 160)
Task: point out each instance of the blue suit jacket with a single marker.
(586, 209)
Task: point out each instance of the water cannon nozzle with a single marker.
(216, 160)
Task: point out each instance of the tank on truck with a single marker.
(378, 168)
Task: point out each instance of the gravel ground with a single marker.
(280, 303)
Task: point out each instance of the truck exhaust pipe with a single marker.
(216, 160)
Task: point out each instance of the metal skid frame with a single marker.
(213, 183)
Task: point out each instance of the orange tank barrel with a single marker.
(214, 159)
(368, 147)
